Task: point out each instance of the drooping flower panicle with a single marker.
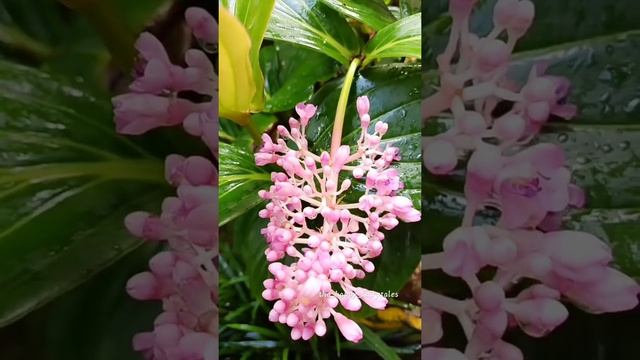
(530, 186)
(332, 242)
(184, 276)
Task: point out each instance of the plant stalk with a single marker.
(336, 136)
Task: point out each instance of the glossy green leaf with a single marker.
(553, 26)
(312, 24)
(400, 39)
(371, 12)
(98, 319)
(376, 344)
(235, 134)
(291, 74)
(249, 246)
(240, 180)
(67, 180)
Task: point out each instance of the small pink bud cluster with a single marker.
(154, 100)
(529, 185)
(331, 242)
(183, 277)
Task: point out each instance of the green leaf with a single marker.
(67, 180)
(410, 7)
(552, 26)
(312, 24)
(400, 39)
(232, 133)
(291, 73)
(268, 333)
(240, 180)
(249, 245)
(371, 12)
(98, 319)
(61, 41)
(376, 344)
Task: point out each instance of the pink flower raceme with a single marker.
(331, 242)
(183, 277)
(529, 185)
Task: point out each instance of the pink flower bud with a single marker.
(432, 328)
(506, 351)
(143, 286)
(509, 127)
(440, 157)
(362, 104)
(349, 329)
(372, 298)
(320, 328)
(471, 123)
(538, 317)
(489, 296)
(491, 54)
(381, 128)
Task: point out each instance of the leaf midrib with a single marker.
(138, 170)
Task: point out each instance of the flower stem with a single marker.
(336, 137)
(442, 303)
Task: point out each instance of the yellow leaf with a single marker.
(391, 314)
(237, 85)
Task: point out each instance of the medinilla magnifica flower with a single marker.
(184, 276)
(331, 241)
(529, 185)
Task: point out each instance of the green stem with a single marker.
(107, 21)
(336, 137)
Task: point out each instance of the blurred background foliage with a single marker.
(67, 179)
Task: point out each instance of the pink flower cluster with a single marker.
(331, 242)
(184, 277)
(530, 186)
(154, 101)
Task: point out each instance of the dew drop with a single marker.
(609, 49)
(624, 145)
(563, 138)
(582, 160)
(632, 105)
(606, 148)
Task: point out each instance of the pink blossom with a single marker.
(184, 276)
(527, 182)
(340, 250)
